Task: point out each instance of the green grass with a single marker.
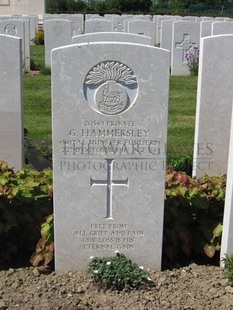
(37, 53)
(181, 115)
(37, 100)
(181, 118)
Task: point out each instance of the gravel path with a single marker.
(192, 287)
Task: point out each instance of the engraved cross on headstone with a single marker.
(109, 182)
(98, 27)
(186, 44)
(119, 27)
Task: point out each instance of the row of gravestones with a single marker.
(181, 38)
(96, 23)
(23, 27)
(109, 154)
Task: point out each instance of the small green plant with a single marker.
(25, 200)
(192, 57)
(117, 272)
(228, 261)
(39, 38)
(44, 70)
(184, 163)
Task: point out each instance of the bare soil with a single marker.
(191, 287)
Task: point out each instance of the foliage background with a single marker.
(182, 7)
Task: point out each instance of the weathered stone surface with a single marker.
(214, 105)
(11, 115)
(109, 152)
(111, 37)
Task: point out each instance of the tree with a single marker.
(133, 5)
(53, 6)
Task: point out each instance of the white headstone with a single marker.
(127, 16)
(205, 18)
(111, 37)
(206, 27)
(166, 34)
(25, 35)
(17, 28)
(214, 105)
(26, 44)
(95, 16)
(222, 28)
(227, 233)
(58, 32)
(98, 25)
(109, 152)
(32, 21)
(126, 23)
(220, 18)
(197, 19)
(36, 19)
(118, 23)
(143, 17)
(144, 28)
(11, 109)
(189, 18)
(185, 37)
(76, 19)
(158, 26)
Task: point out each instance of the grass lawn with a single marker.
(181, 118)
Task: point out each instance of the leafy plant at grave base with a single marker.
(192, 221)
(39, 154)
(228, 261)
(192, 57)
(44, 252)
(117, 272)
(193, 216)
(39, 37)
(25, 200)
(45, 150)
(183, 164)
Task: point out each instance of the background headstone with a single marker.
(222, 28)
(111, 37)
(16, 28)
(109, 153)
(11, 108)
(118, 23)
(206, 28)
(227, 233)
(98, 25)
(144, 28)
(166, 34)
(33, 29)
(214, 106)
(185, 38)
(159, 20)
(76, 19)
(58, 32)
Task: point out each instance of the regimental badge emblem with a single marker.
(110, 87)
(10, 29)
